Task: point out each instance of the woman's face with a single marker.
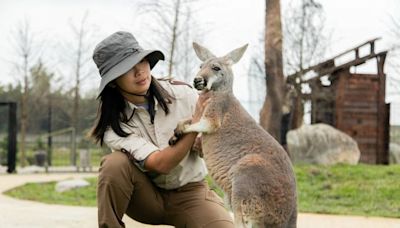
(136, 80)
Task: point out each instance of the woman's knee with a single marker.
(114, 160)
(115, 164)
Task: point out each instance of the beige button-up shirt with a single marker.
(146, 138)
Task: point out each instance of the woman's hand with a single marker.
(202, 102)
(165, 160)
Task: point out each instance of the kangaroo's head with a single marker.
(216, 72)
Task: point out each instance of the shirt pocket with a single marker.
(132, 128)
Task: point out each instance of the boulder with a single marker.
(321, 144)
(66, 185)
(394, 153)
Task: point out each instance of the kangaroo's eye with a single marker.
(215, 68)
(201, 66)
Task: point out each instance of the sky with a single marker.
(230, 24)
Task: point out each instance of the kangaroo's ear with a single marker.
(202, 52)
(235, 55)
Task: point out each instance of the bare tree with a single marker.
(175, 28)
(81, 56)
(185, 56)
(304, 40)
(256, 83)
(304, 45)
(23, 45)
(394, 61)
(271, 112)
(186, 71)
(39, 98)
(174, 36)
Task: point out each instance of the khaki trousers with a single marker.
(124, 189)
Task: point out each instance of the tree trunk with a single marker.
(24, 39)
(75, 109)
(174, 37)
(24, 114)
(297, 112)
(79, 65)
(271, 112)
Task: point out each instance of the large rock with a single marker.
(321, 144)
(67, 185)
(394, 153)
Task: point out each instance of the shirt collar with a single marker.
(131, 106)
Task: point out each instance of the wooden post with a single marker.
(12, 137)
(49, 137)
(382, 156)
(73, 146)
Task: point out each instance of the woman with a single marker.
(143, 177)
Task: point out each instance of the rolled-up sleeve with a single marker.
(137, 146)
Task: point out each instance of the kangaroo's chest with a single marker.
(218, 160)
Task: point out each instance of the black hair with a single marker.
(111, 110)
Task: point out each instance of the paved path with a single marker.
(29, 214)
(21, 213)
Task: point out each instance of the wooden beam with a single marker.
(330, 63)
(356, 62)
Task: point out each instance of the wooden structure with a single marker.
(351, 102)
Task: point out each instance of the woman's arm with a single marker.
(163, 161)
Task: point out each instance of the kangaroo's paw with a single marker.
(173, 140)
(179, 131)
(176, 137)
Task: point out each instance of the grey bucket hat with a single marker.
(118, 53)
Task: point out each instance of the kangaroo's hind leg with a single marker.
(292, 223)
(254, 194)
(239, 223)
(240, 208)
(247, 205)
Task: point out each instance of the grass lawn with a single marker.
(350, 190)
(341, 189)
(45, 192)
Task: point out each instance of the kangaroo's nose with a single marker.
(197, 80)
(199, 83)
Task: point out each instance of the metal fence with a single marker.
(61, 150)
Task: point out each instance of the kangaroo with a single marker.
(250, 166)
